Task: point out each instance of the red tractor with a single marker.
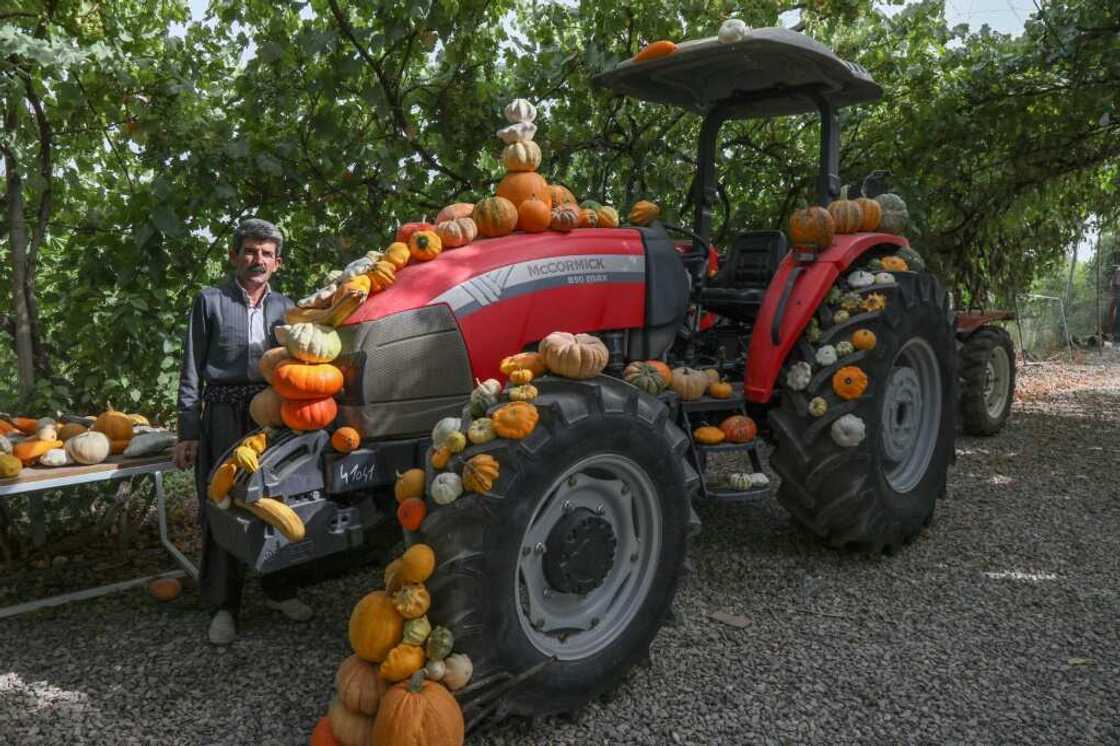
(567, 567)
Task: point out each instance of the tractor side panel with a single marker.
(808, 290)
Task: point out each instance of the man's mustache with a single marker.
(258, 269)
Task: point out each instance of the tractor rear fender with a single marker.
(795, 293)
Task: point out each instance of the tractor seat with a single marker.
(738, 288)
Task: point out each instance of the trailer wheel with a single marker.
(575, 553)
(987, 380)
(878, 494)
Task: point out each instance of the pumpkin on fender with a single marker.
(812, 228)
(495, 216)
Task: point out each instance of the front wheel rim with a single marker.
(911, 415)
(574, 626)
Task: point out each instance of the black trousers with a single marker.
(222, 575)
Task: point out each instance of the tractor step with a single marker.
(726, 447)
(710, 403)
(729, 495)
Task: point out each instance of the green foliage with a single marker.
(339, 120)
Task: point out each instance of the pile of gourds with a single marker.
(852, 298)
(46, 441)
(812, 229)
(396, 687)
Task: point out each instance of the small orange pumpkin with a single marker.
(520, 376)
(720, 390)
(894, 264)
(864, 339)
(345, 439)
(561, 195)
(708, 435)
(294, 379)
(849, 382)
(846, 213)
(531, 361)
(872, 213)
(565, 218)
(440, 457)
(655, 50)
(409, 484)
(480, 472)
(588, 218)
(411, 513)
(29, 451)
(533, 216)
(323, 735)
(375, 627)
(424, 245)
(309, 414)
(515, 420)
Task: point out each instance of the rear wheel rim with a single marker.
(996, 377)
(911, 415)
(574, 626)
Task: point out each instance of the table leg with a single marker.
(161, 511)
(38, 519)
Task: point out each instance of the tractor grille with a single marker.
(403, 372)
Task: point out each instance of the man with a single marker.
(230, 326)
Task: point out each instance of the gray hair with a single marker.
(262, 230)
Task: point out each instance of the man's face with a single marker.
(256, 262)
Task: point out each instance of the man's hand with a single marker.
(186, 453)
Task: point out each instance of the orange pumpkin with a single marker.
(495, 216)
(533, 216)
(308, 414)
(662, 368)
(561, 195)
(358, 686)
(894, 264)
(849, 382)
(375, 627)
(588, 218)
(419, 711)
(847, 216)
(481, 471)
(346, 439)
(424, 246)
(269, 361)
(720, 390)
(411, 483)
(812, 228)
(114, 424)
(29, 451)
(515, 420)
(565, 218)
(165, 589)
(26, 425)
(708, 435)
(655, 50)
(384, 273)
(7, 427)
(522, 185)
(456, 232)
(871, 212)
(739, 429)
(323, 735)
(863, 339)
(440, 457)
(294, 379)
(454, 212)
(398, 254)
(411, 513)
(531, 361)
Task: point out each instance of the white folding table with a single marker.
(41, 478)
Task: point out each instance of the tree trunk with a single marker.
(17, 232)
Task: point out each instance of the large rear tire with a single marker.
(880, 493)
(987, 380)
(576, 551)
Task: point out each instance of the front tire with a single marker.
(575, 553)
(880, 493)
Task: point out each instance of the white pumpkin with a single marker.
(733, 30)
(860, 279)
(446, 488)
(55, 457)
(319, 299)
(740, 480)
(837, 318)
(5, 445)
(799, 375)
(457, 670)
(484, 396)
(884, 278)
(443, 430)
(520, 132)
(848, 431)
(90, 447)
(522, 156)
(435, 670)
(758, 479)
(845, 348)
(826, 355)
(520, 110)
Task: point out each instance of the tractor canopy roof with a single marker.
(771, 72)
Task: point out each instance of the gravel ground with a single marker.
(998, 625)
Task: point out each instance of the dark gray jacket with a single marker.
(216, 346)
